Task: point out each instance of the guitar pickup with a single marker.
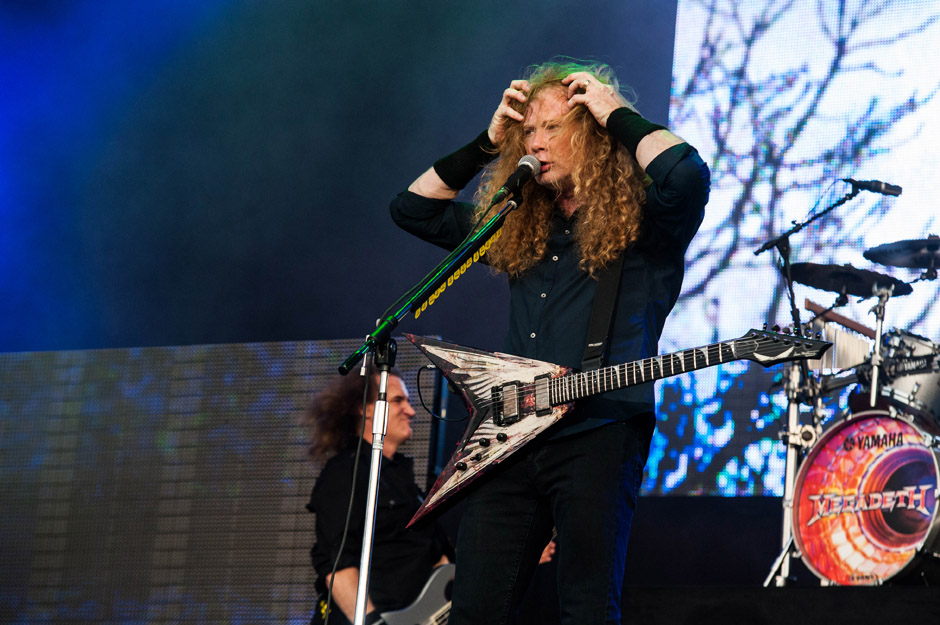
(506, 404)
(543, 401)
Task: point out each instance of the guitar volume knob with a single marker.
(484, 442)
(461, 466)
(501, 437)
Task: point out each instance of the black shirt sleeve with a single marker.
(329, 501)
(442, 222)
(676, 200)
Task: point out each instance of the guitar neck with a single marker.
(575, 386)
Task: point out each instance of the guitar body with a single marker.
(432, 606)
(476, 374)
(511, 399)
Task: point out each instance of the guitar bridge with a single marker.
(506, 404)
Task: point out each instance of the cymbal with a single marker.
(836, 277)
(922, 253)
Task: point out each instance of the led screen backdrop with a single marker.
(783, 99)
(165, 485)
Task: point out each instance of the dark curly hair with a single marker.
(334, 417)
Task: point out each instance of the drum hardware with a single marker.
(825, 313)
(828, 315)
(848, 280)
(804, 437)
(780, 571)
(780, 561)
(883, 294)
(835, 382)
(808, 436)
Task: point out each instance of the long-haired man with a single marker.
(402, 558)
(610, 184)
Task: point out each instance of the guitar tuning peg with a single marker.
(787, 330)
(775, 328)
(819, 335)
(765, 325)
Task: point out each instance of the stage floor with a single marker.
(702, 605)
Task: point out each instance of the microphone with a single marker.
(527, 168)
(875, 186)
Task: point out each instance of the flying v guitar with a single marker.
(512, 399)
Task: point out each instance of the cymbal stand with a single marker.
(798, 379)
(793, 435)
(931, 273)
(883, 294)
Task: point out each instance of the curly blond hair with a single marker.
(609, 185)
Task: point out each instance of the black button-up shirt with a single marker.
(402, 559)
(550, 304)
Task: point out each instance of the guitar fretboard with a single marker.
(578, 385)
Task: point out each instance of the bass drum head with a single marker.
(865, 502)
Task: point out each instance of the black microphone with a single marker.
(528, 167)
(875, 186)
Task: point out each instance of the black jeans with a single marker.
(585, 485)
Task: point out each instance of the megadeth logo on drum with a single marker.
(914, 498)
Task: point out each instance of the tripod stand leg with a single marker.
(778, 563)
(791, 437)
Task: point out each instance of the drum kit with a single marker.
(861, 509)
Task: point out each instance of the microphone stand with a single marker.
(416, 296)
(798, 372)
(380, 343)
(384, 360)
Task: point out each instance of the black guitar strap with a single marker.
(602, 315)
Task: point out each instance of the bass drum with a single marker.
(865, 503)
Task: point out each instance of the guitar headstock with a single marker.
(770, 348)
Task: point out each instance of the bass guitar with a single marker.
(432, 607)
